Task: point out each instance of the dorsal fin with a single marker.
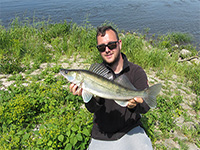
(101, 70)
(124, 81)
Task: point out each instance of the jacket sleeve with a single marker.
(142, 108)
(94, 105)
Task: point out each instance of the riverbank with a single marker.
(37, 111)
(168, 130)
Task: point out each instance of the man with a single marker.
(116, 127)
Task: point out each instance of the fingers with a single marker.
(73, 88)
(133, 102)
(138, 99)
(79, 92)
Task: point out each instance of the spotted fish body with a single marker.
(97, 81)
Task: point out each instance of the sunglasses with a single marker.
(110, 45)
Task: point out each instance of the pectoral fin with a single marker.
(122, 103)
(86, 96)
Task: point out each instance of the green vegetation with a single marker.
(38, 112)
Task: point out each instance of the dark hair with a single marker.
(102, 31)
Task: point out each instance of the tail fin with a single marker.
(151, 94)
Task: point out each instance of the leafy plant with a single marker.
(44, 115)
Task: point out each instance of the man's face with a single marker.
(109, 56)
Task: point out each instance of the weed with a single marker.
(196, 105)
(44, 115)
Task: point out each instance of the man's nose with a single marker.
(107, 49)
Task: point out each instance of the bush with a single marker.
(43, 116)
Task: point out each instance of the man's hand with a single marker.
(74, 89)
(133, 102)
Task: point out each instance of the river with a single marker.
(160, 16)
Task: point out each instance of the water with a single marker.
(160, 16)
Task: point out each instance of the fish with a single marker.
(98, 81)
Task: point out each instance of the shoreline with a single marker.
(195, 40)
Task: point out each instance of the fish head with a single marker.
(71, 75)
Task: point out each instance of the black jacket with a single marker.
(111, 121)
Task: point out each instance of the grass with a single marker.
(45, 102)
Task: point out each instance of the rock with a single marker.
(25, 84)
(179, 121)
(196, 61)
(45, 65)
(180, 135)
(184, 53)
(171, 144)
(7, 83)
(192, 146)
(36, 72)
(65, 65)
(176, 45)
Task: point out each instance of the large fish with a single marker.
(97, 82)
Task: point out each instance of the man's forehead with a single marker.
(109, 33)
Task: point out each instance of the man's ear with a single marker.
(120, 44)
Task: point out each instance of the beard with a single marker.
(115, 61)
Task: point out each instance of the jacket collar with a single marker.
(125, 65)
